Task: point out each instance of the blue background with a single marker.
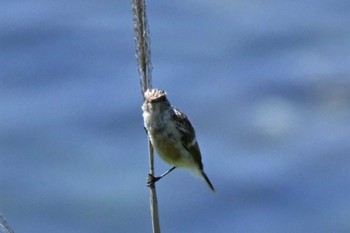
(265, 83)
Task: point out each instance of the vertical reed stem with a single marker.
(143, 55)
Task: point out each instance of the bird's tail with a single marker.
(205, 177)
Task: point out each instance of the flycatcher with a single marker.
(171, 134)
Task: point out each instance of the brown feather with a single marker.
(188, 139)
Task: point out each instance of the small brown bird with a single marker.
(172, 134)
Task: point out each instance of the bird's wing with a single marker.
(188, 136)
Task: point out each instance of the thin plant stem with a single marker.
(142, 41)
(143, 55)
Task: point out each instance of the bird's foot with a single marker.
(151, 179)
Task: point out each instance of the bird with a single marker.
(171, 134)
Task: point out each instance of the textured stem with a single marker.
(153, 192)
(142, 41)
(143, 55)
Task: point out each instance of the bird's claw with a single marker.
(152, 179)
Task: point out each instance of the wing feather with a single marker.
(188, 136)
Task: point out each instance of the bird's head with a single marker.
(156, 99)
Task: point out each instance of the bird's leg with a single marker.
(153, 179)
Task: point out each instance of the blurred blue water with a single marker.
(266, 85)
